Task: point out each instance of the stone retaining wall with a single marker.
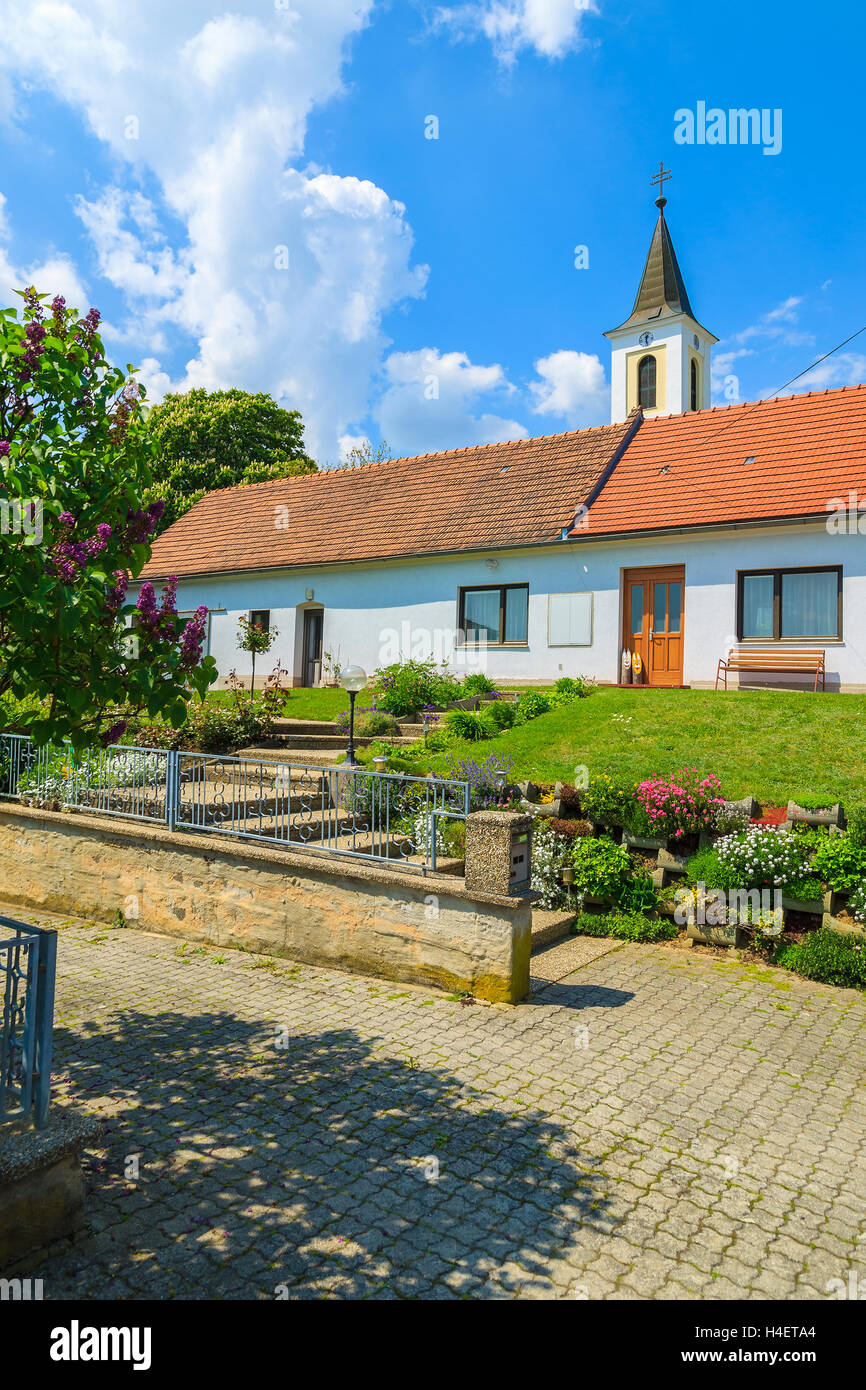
(342, 913)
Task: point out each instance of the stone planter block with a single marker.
(729, 934)
(642, 841)
(746, 803)
(814, 905)
(831, 815)
(676, 863)
(837, 924)
(658, 876)
(833, 901)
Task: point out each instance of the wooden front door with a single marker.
(654, 622)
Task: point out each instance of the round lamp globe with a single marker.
(353, 678)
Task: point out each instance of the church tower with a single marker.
(660, 356)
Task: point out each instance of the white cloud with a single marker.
(572, 384)
(551, 28)
(286, 271)
(53, 274)
(843, 369)
(436, 401)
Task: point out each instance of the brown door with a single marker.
(654, 620)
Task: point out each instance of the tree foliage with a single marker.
(204, 440)
(74, 468)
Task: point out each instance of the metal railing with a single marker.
(28, 958)
(116, 781)
(340, 810)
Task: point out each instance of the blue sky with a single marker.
(247, 194)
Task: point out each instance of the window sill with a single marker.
(790, 641)
(492, 647)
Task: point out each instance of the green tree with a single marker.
(74, 467)
(255, 639)
(204, 440)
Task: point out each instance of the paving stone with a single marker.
(564, 1171)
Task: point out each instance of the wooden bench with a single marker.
(788, 660)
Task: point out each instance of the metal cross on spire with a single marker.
(659, 178)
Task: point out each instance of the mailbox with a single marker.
(521, 857)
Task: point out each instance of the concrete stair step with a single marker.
(295, 757)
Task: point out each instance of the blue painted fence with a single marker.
(28, 959)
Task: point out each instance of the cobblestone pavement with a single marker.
(659, 1124)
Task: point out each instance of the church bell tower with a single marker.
(660, 355)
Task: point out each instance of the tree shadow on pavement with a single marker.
(309, 1165)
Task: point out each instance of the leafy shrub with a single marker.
(706, 867)
(500, 715)
(682, 805)
(606, 800)
(626, 926)
(530, 704)
(569, 798)
(407, 686)
(728, 819)
(550, 854)
(490, 781)
(805, 888)
(580, 686)
(464, 723)
(857, 825)
(840, 862)
(216, 728)
(638, 894)
(375, 722)
(830, 956)
(569, 828)
(477, 684)
(857, 902)
(762, 856)
(600, 867)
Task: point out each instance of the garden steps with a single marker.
(549, 926)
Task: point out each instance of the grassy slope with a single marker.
(769, 743)
(304, 704)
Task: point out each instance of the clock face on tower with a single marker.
(645, 339)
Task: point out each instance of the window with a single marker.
(646, 383)
(496, 615)
(781, 604)
(694, 385)
(569, 620)
(261, 617)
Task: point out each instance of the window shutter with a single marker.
(569, 620)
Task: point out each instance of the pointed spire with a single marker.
(661, 288)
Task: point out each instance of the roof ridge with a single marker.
(420, 458)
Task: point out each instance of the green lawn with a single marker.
(775, 745)
(304, 704)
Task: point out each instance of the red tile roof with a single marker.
(489, 496)
(675, 471)
(691, 470)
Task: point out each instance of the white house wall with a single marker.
(373, 612)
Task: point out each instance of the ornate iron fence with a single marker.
(28, 957)
(338, 810)
(117, 781)
(341, 810)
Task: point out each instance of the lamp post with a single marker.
(353, 679)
